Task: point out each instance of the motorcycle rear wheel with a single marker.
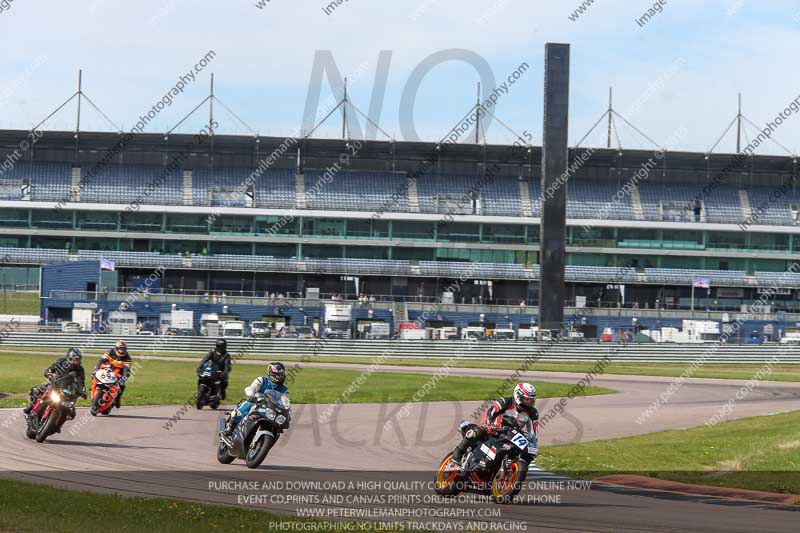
(505, 488)
(223, 454)
(47, 428)
(255, 456)
(445, 483)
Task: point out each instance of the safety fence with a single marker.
(367, 349)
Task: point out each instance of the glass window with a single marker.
(408, 229)
(233, 248)
(683, 239)
(727, 240)
(98, 220)
(93, 243)
(413, 254)
(580, 236)
(17, 218)
(769, 241)
(232, 224)
(274, 225)
(141, 222)
(322, 251)
(183, 223)
(276, 249)
(367, 229)
(323, 227)
(638, 238)
(504, 233)
(38, 241)
(457, 231)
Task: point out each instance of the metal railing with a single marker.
(458, 349)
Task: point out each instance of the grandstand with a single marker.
(405, 234)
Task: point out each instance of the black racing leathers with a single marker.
(221, 361)
(57, 372)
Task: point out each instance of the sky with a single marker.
(676, 77)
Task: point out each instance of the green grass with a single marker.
(708, 370)
(19, 303)
(760, 453)
(173, 382)
(32, 508)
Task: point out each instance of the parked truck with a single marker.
(338, 319)
(84, 317)
(209, 325)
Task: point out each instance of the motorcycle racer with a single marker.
(276, 375)
(522, 401)
(62, 367)
(220, 357)
(118, 357)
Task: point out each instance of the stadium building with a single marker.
(649, 235)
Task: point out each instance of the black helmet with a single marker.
(276, 373)
(74, 355)
(221, 346)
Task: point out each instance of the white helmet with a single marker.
(524, 395)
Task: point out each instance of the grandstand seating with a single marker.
(500, 196)
(373, 190)
(356, 191)
(218, 187)
(275, 188)
(48, 181)
(598, 199)
(438, 193)
(123, 184)
(723, 206)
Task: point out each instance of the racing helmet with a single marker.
(524, 395)
(276, 373)
(121, 346)
(221, 346)
(74, 356)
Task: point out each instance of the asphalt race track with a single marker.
(354, 466)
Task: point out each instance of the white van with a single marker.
(233, 328)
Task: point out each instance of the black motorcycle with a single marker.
(256, 432)
(209, 387)
(52, 408)
(497, 466)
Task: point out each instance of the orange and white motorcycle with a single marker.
(105, 387)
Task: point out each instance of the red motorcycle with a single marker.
(105, 387)
(52, 409)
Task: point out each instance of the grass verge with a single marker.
(19, 303)
(175, 382)
(708, 370)
(759, 453)
(25, 507)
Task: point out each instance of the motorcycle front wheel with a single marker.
(445, 481)
(507, 484)
(46, 428)
(258, 451)
(223, 454)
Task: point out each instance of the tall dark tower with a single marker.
(554, 206)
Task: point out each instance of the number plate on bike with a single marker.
(519, 441)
